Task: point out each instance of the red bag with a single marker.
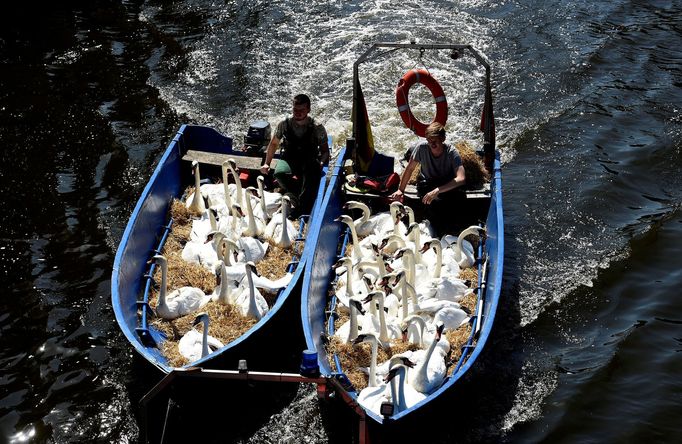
(382, 185)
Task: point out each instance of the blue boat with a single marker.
(484, 205)
(149, 227)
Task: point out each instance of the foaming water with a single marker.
(587, 105)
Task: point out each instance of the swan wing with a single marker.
(451, 317)
(214, 343)
(253, 249)
(189, 345)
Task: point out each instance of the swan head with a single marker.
(237, 209)
(384, 280)
(413, 226)
(366, 337)
(400, 359)
(435, 243)
(251, 266)
(344, 262)
(231, 164)
(413, 318)
(393, 372)
(195, 165)
(215, 236)
(261, 181)
(374, 294)
(355, 205)
(368, 279)
(344, 219)
(402, 252)
(201, 317)
(357, 304)
(439, 329)
(252, 191)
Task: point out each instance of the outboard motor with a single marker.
(257, 138)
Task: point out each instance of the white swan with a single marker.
(373, 393)
(269, 201)
(179, 302)
(387, 329)
(424, 227)
(233, 223)
(238, 191)
(194, 345)
(465, 257)
(392, 243)
(382, 369)
(403, 395)
(352, 287)
(451, 317)
(195, 202)
(439, 264)
(366, 225)
(398, 284)
(349, 331)
(204, 253)
(392, 224)
(251, 249)
(227, 251)
(251, 303)
(202, 227)
(268, 284)
(225, 293)
(280, 230)
(358, 251)
(429, 373)
(417, 331)
(416, 274)
(255, 226)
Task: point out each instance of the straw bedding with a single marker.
(226, 323)
(354, 357)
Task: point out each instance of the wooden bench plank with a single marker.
(243, 162)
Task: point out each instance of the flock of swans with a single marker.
(400, 283)
(231, 232)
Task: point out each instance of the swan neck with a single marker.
(439, 260)
(353, 333)
(409, 254)
(365, 212)
(204, 340)
(349, 279)
(252, 293)
(249, 215)
(238, 183)
(356, 243)
(224, 295)
(383, 333)
(425, 363)
(284, 236)
(402, 404)
(373, 364)
(404, 301)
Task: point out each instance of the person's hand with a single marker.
(265, 169)
(397, 195)
(430, 196)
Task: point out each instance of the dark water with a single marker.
(588, 98)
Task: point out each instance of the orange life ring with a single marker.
(404, 84)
